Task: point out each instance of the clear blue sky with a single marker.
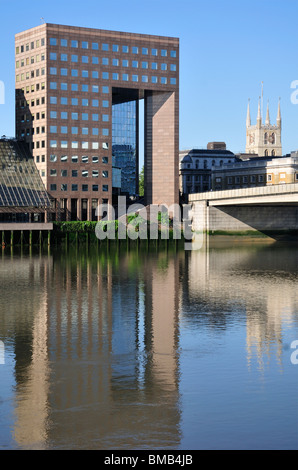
(227, 48)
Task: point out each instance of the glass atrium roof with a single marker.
(20, 183)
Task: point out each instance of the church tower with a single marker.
(263, 139)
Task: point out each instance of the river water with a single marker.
(152, 348)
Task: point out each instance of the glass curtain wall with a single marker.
(125, 144)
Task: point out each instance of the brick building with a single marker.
(68, 79)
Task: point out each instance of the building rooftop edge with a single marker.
(99, 31)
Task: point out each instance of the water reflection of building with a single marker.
(24, 323)
(229, 285)
(104, 367)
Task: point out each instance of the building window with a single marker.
(269, 178)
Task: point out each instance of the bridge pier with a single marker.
(200, 221)
(273, 211)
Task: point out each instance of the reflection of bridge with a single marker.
(265, 209)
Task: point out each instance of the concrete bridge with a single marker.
(272, 210)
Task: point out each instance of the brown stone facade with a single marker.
(66, 83)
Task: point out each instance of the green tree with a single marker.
(141, 183)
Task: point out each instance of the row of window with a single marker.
(29, 117)
(32, 103)
(32, 74)
(64, 130)
(77, 116)
(32, 88)
(30, 45)
(75, 87)
(75, 187)
(125, 49)
(75, 159)
(30, 60)
(64, 144)
(75, 145)
(75, 173)
(74, 130)
(75, 101)
(253, 178)
(115, 62)
(125, 77)
(244, 179)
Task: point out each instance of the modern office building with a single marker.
(70, 82)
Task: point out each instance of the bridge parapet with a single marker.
(245, 192)
(257, 195)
